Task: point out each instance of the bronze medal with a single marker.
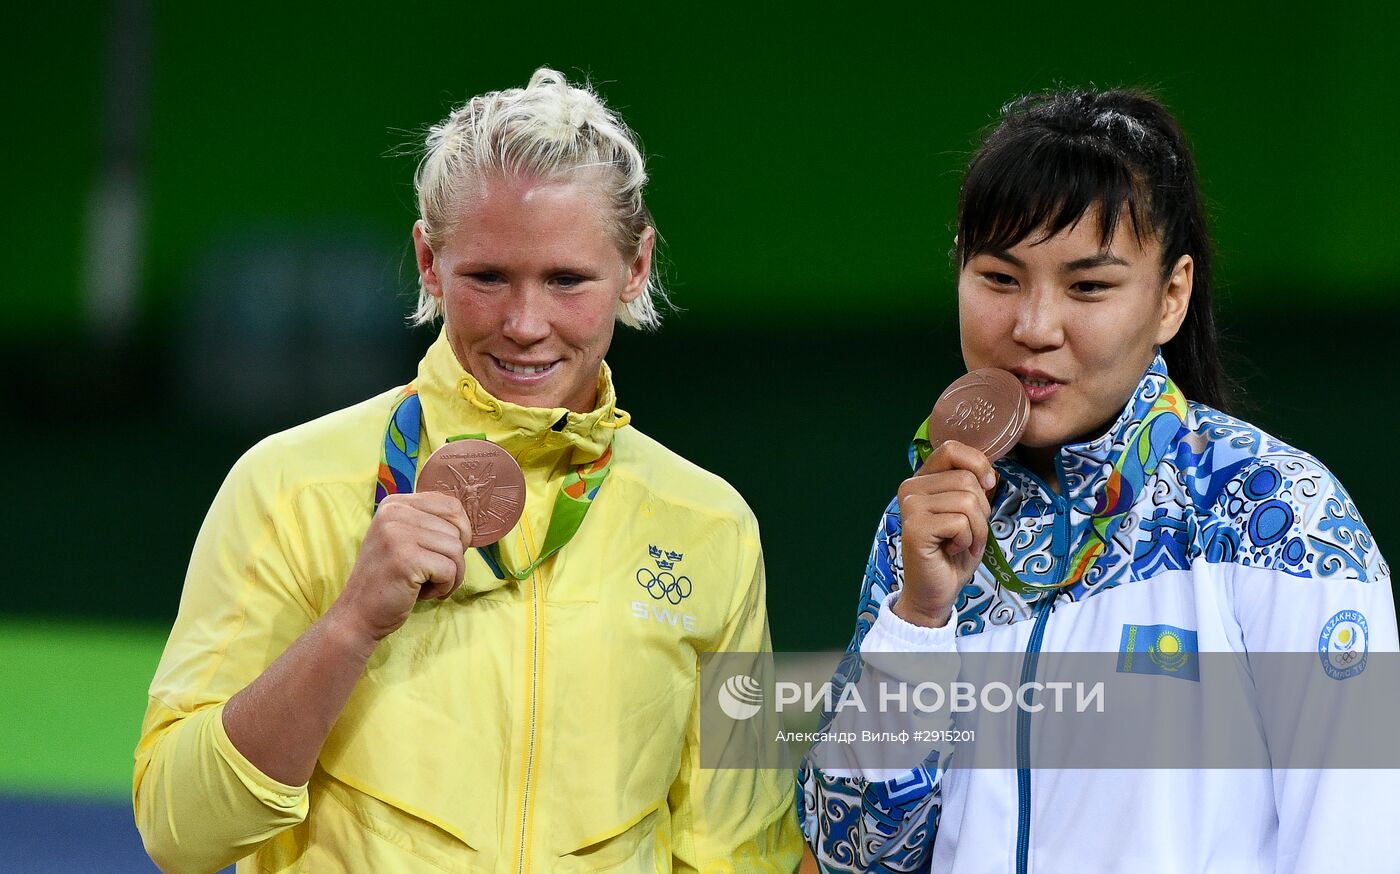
(986, 409)
(485, 479)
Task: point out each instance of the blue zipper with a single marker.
(1060, 548)
(1023, 737)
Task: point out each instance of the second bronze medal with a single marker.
(986, 409)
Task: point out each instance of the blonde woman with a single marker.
(349, 686)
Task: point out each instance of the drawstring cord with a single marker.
(466, 387)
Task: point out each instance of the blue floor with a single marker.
(64, 836)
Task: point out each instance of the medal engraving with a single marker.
(972, 416)
(986, 409)
(484, 479)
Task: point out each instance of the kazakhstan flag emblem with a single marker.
(1159, 649)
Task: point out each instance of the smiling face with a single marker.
(1076, 321)
(530, 277)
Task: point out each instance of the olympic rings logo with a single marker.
(664, 586)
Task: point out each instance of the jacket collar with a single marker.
(455, 403)
(1083, 467)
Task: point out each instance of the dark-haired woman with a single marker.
(1134, 517)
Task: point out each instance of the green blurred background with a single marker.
(209, 214)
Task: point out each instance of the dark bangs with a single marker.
(1038, 182)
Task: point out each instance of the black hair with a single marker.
(1056, 154)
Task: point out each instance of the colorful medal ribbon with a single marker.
(398, 469)
(1145, 448)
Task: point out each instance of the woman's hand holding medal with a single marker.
(470, 493)
(414, 550)
(944, 507)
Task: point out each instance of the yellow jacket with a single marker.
(545, 725)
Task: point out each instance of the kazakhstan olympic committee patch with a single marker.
(1343, 644)
(1159, 649)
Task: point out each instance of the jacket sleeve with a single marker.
(864, 820)
(1306, 577)
(199, 804)
(735, 819)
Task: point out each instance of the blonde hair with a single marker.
(548, 128)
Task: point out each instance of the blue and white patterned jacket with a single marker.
(1240, 539)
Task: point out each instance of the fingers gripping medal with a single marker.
(485, 479)
(986, 409)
